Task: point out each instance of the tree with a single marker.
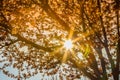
(33, 33)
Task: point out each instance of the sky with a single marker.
(36, 77)
(4, 77)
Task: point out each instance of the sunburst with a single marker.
(68, 44)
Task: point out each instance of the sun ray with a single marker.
(55, 51)
(71, 33)
(74, 55)
(65, 56)
(83, 36)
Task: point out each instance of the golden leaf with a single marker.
(14, 31)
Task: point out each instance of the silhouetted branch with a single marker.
(53, 15)
(105, 39)
(8, 26)
(117, 69)
(104, 72)
(82, 68)
(8, 44)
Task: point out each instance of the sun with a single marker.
(68, 44)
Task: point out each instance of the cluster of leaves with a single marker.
(32, 33)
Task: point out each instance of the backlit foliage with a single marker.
(33, 32)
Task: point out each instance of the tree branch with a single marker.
(8, 26)
(117, 69)
(48, 49)
(98, 50)
(83, 69)
(9, 44)
(105, 39)
(53, 15)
